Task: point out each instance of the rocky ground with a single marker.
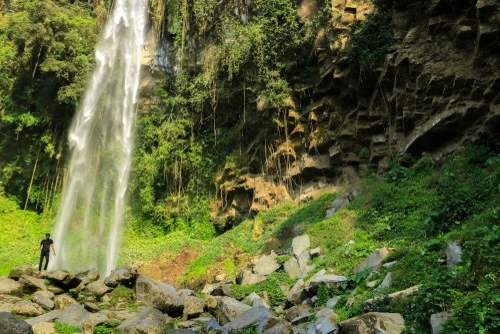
(128, 302)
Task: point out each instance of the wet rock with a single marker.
(266, 265)
(373, 322)
(27, 309)
(44, 299)
(97, 289)
(64, 279)
(193, 307)
(19, 271)
(63, 301)
(74, 315)
(374, 260)
(161, 296)
(292, 268)
(230, 309)
(300, 244)
(10, 325)
(47, 317)
(125, 275)
(453, 254)
(10, 287)
(149, 320)
(254, 317)
(437, 320)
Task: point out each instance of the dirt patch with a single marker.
(169, 268)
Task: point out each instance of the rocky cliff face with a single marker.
(437, 89)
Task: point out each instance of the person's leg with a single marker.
(46, 260)
(41, 260)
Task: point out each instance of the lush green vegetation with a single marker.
(66, 329)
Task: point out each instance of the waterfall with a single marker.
(88, 227)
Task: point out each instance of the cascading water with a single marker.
(88, 227)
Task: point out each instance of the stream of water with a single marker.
(89, 222)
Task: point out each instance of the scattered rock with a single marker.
(304, 259)
(297, 292)
(93, 274)
(91, 307)
(339, 203)
(19, 271)
(179, 331)
(44, 299)
(27, 309)
(326, 325)
(74, 315)
(7, 302)
(161, 296)
(10, 325)
(64, 279)
(371, 284)
(97, 289)
(149, 320)
(185, 292)
(44, 328)
(266, 265)
(333, 301)
(213, 327)
(10, 287)
(230, 309)
(453, 254)
(295, 312)
(256, 316)
(125, 275)
(374, 260)
(397, 294)
(277, 326)
(55, 290)
(193, 307)
(253, 279)
(30, 284)
(322, 278)
(300, 244)
(437, 319)
(47, 317)
(255, 300)
(63, 301)
(386, 283)
(292, 268)
(389, 264)
(213, 290)
(373, 322)
(315, 252)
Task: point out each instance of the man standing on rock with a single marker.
(45, 246)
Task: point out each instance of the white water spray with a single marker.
(88, 227)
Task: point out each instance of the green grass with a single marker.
(66, 329)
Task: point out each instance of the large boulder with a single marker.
(74, 315)
(297, 293)
(19, 271)
(300, 244)
(230, 309)
(30, 284)
(125, 275)
(10, 325)
(10, 287)
(47, 317)
(97, 289)
(148, 320)
(64, 279)
(161, 296)
(7, 302)
(266, 265)
(27, 309)
(437, 319)
(254, 317)
(44, 299)
(193, 307)
(373, 323)
(292, 268)
(63, 301)
(374, 260)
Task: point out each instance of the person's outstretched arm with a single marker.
(38, 248)
(53, 249)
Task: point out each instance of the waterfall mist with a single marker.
(88, 228)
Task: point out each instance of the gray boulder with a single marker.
(278, 326)
(333, 301)
(254, 317)
(19, 271)
(148, 320)
(230, 309)
(7, 302)
(30, 284)
(161, 296)
(295, 312)
(97, 289)
(253, 279)
(297, 293)
(322, 278)
(255, 300)
(212, 327)
(437, 320)
(193, 307)
(266, 265)
(44, 299)
(10, 287)
(10, 325)
(291, 267)
(300, 244)
(374, 260)
(64, 279)
(93, 274)
(45, 328)
(304, 259)
(125, 275)
(373, 322)
(386, 283)
(27, 309)
(74, 315)
(47, 317)
(453, 254)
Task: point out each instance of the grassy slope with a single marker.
(417, 211)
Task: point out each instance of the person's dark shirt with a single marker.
(46, 245)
